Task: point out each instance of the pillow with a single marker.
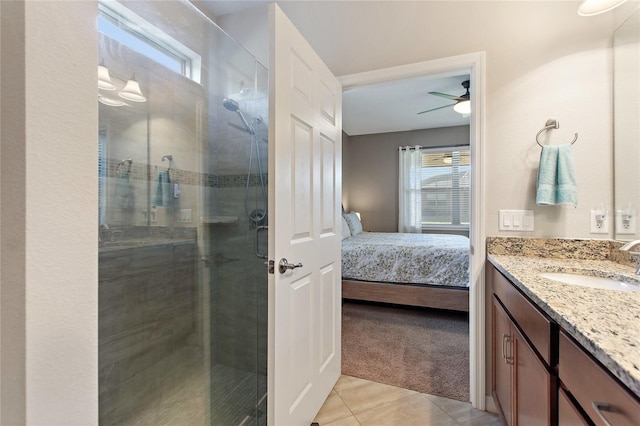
(354, 223)
(346, 232)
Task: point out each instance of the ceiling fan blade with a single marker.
(435, 109)
(444, 95)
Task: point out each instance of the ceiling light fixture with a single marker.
(463, 107)
(132, 91)
(104, 79)
(596, 7)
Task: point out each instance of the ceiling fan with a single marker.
(463, 102)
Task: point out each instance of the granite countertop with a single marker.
(605, 322)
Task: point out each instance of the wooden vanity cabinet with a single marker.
(524, 385)
(542, 376)
(568, 413)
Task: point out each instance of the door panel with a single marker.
(502, 374)
(532, 384)
(304, 195)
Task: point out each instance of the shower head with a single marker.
(233, 106)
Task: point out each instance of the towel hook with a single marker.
(168, 158)
(127, 161)
(553, 124)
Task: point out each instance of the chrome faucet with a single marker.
(628, 248)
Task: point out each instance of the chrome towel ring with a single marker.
(553, 124)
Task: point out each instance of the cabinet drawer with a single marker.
(590, 384)
(568, 414)
(532, 322)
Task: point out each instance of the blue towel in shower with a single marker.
(162, 195)
(556, 177)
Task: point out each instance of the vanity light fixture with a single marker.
(104, 79)
(132, 91)
(596, 7)
(110, 101)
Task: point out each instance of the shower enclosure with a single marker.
(183, 208)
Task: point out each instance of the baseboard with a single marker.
(490, 405)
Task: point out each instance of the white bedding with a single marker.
(436, 259)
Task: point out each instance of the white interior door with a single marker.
(305, 180)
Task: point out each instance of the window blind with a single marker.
(446, 187)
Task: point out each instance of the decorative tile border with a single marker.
(145, 172)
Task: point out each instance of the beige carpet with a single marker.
(418, 349)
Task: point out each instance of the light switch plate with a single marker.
(516, 220)
(185, 216)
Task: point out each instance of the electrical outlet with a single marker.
(625, 222)
(599, 222)
(185, 215)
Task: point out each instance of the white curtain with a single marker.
(410, 190)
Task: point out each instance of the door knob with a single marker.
(284, 265)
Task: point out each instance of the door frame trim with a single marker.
(474, 64)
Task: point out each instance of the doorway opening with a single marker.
(473, 66)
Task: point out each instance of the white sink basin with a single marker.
(589, 281)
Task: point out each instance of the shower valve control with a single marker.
(284, 265)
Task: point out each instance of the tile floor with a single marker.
(355, 402)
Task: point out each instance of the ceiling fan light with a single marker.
(104, 79)
(596, 7)
(463, 107)
(132, 91)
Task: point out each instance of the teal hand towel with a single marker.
(123, 193)
(162, 194)
(556, 177)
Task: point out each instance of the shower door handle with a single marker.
(260, 229)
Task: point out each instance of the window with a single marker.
(120, 24)
(446, 188)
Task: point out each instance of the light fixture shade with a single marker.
(596, 7)
(110, 101)
(463, 107)
(104, 79)
(132, 91)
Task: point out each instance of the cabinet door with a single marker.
(502, 360)
(533, 385)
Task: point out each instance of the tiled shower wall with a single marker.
(147, 313)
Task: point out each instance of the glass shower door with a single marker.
(182, 175)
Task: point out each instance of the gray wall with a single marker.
(370, 171)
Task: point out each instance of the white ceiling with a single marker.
(220, 8)
(394, 106)
(386, 107)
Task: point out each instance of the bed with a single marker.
(428, 270)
